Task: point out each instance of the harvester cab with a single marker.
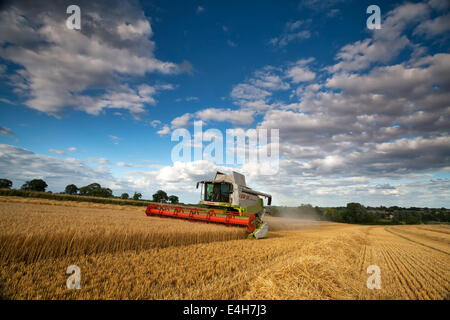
(231, 192)
(226, 199)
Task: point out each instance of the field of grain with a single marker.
(123, 254)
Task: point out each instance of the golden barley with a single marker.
(124, 254)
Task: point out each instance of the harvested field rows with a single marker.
(310, 260)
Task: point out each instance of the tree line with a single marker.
(92, 190)
(356, 213)
(352, 213)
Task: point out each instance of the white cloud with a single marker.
(155, 123)
(368, 132)
(20, 165)
(266, 79)
(200, 10)
(59, 64)
(188, 99)
(128, 31)
(231, 43)
(181, 121)
(292, 32)
(128, 165)
(4, 100)
(439, 4)
(114, 139)
(300, 74)
(5, 131)
(289, 187)
(284, 39)
(59, 152)
(248, 92)
(102, 161)
(293, 25)
(165, 130)
(221, 115)
(432, 28)
(386, 43)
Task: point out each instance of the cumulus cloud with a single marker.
(300, 74)
(288, 187)
(363, 122)
(431, 28)
(248, 92)
(20, 165)
(368, 128)
(181, 121)
(254, 94)
(164, 130)
(234, 116)
(360, 128)
(385, 43)
(59, 65)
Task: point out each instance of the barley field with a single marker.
(123, 254)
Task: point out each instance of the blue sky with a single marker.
(363, 114)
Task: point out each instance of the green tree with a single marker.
(5, 184)
(35, 185)
(355, 213)
(102, 192)
(137, 196)
(124, 196)
(71, 189)
(332, 214)
(160, 196)
(413, 218)
(173, 199)
(96, 190)
(89, 189)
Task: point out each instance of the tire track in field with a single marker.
(434, 230)
(399, 257)
(432, 271)
(362, 257)
(424, 236)
(402, 284)
(422, 244)
(429, 273)
(430, 281)
(429, 285)
(401, 274)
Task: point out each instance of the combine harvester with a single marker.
(226, 200)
